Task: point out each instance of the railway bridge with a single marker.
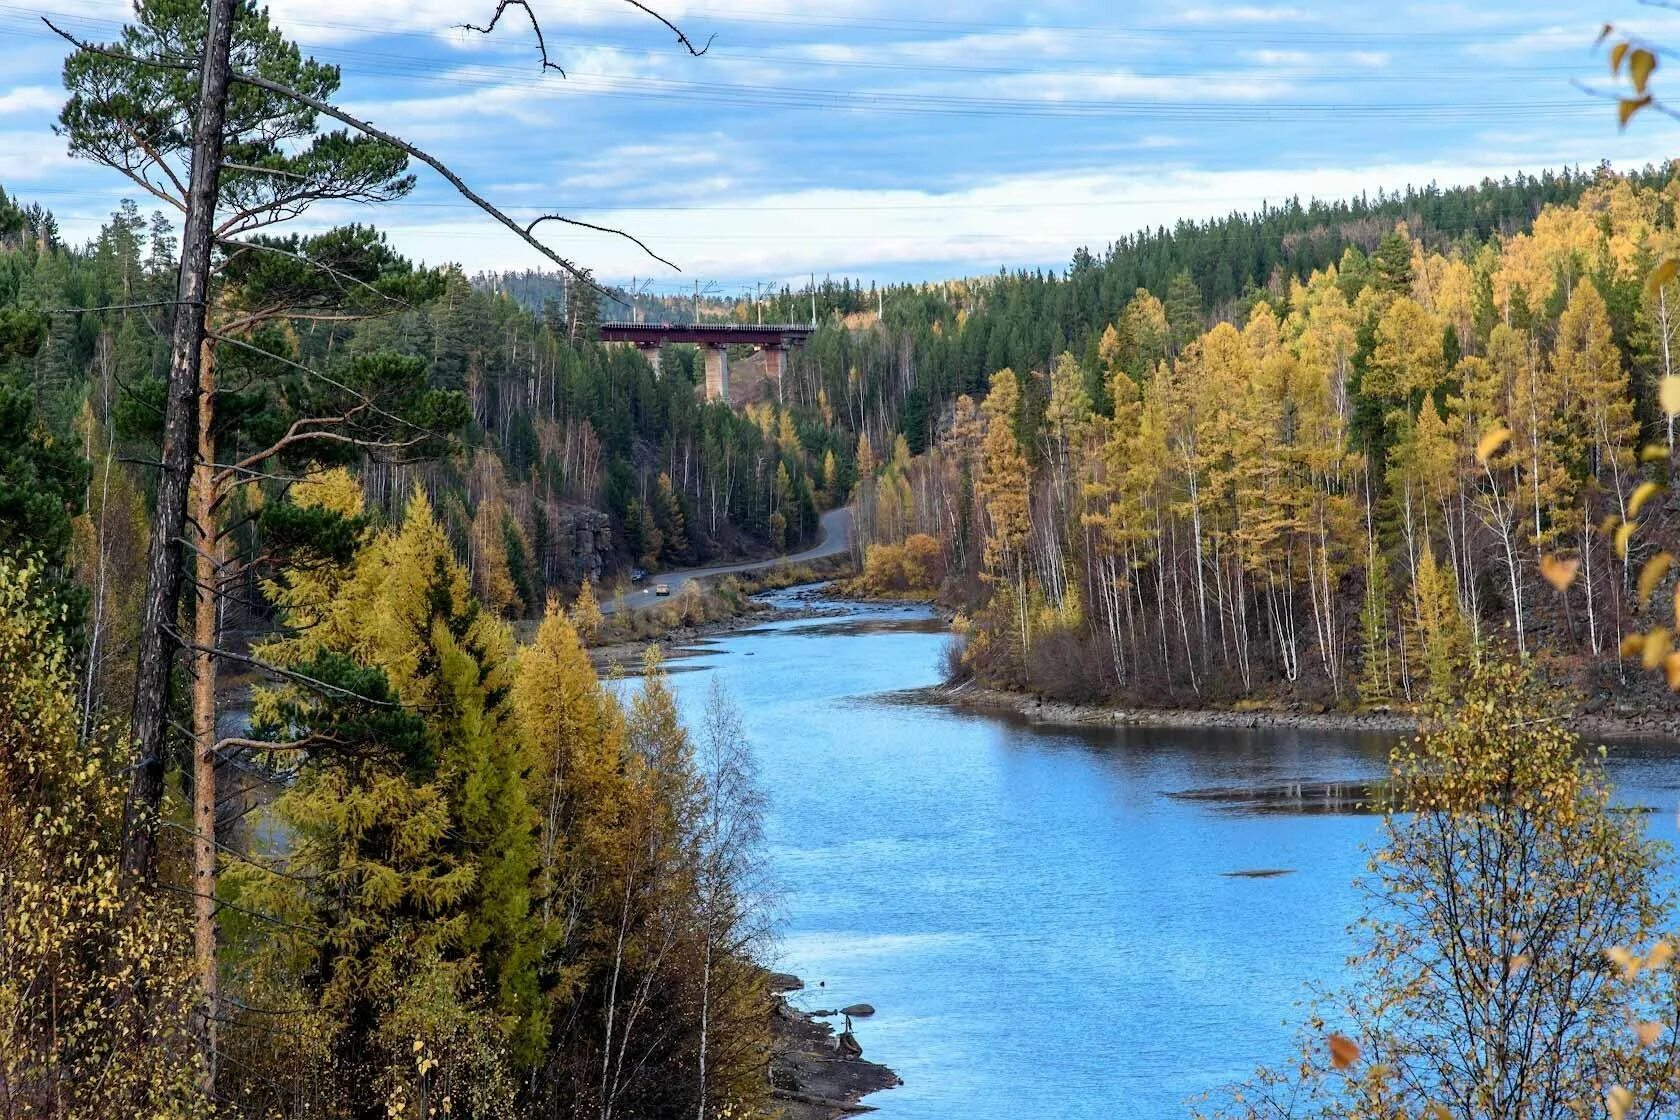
(714, 339)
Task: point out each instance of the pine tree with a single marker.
(1392, 263)
(668, 515)
(1183, 311)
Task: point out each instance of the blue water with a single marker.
(1043, 929)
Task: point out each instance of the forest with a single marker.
(446, 869)
(313, 802)
(1286, 500)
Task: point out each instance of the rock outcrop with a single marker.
(580, 538)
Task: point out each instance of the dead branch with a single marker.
(603, 229)
(681, 38)
(368, 128)
(504, 5)
(337, 274)
(284, 674)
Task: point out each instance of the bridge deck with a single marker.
(707, 334)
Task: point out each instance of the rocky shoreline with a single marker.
(1644, 724)
(682, 641)
(816, 1074)
(1065, 714)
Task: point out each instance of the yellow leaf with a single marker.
(1626, 961)
(1653, 453)
(1617, 53)
(1642, 493)
(1652, 574)
(1617, 1102)
(1343, 1051)
(1495, 438)
(1438, 1112)
(1662, 274)
(1516, 964)
(1657, 644)
(1661, 953)
(1640, 64)
(1668, 392)
(1559, 571)
(1608, 525)
(1628, 106)
(1623, 535)
(1648, 1033)
(1632, 644)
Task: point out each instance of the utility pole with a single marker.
(813, 299)
(711, 286)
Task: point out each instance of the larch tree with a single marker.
(1002, 489)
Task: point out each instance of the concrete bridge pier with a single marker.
(717, 372)
(775, 363)
(651, 353)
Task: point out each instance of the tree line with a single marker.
(1296, 502)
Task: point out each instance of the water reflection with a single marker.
(1071, 922)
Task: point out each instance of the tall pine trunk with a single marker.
(150, 719)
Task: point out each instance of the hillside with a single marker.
(1173, 503)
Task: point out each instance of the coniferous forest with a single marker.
(314, 803)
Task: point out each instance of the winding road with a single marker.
(836, 529)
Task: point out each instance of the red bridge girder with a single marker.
(653, 335)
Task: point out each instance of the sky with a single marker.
(887, 141)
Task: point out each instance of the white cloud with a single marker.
(1244, 13)
(344, 21)
(32, 155)
(30, 99)
(1282, 58)
(1115, 85)
(1019, 219)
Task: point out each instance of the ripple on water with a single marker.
(1044, 929)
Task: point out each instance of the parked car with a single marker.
(661, 589)
(637, 575)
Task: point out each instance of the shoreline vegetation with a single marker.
(730, 603)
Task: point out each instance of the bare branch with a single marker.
(504, 5)
(370, 129)
(681, 38)
(110, 307)
(284, 674)
(264, 171)
(603, 229)
(262, 746)
(242, 246)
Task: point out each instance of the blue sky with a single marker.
(891, 141)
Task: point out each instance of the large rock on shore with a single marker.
(811, 1077)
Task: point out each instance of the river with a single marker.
(1044, 927)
